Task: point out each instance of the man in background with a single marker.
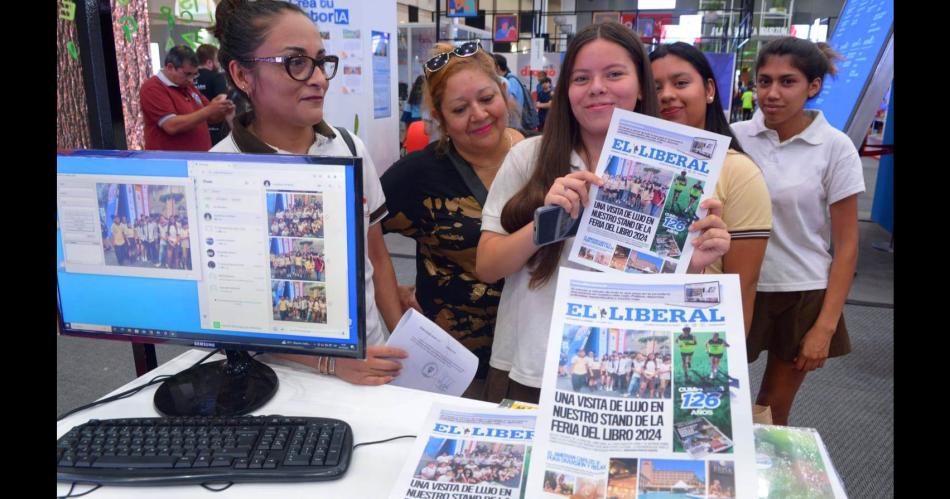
(544, 101)
(212, 83)
(176, 113)
(515, 95)
(747, 107)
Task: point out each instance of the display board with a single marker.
(724, 68)
(864, 35)
(347, 28)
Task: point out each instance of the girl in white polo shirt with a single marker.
(814, 175)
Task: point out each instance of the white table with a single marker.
(374, 412)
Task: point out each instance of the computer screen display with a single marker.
(234, 251)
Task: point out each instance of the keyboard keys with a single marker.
(188, 450)
(333, 457)
(135, 462)
(236, 452)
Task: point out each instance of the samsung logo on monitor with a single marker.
(206, 344)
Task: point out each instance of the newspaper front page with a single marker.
(468, 454)
(645, 391)
(656, 173)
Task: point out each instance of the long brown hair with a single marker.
(562, 134)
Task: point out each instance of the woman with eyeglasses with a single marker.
(605, 67)
(435, 196)
(274, 57)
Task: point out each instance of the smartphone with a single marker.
(554, 223)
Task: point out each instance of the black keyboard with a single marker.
(171, 451)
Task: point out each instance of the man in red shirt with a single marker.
(176, 113)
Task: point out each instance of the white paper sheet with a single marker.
(437, 362)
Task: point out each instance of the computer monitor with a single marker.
(243, 252)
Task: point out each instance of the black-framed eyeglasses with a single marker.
(438, 62)
(301, 67)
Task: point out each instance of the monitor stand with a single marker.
(229, 387)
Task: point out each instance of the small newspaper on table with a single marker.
(645, 391)
(656, 173)
(465, 453)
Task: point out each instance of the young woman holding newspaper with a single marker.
(686, 88)
(814, 175)
(605, 67)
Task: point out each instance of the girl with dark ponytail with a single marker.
(814, 175)
(274, 57)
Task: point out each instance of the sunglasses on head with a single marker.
(438, 62)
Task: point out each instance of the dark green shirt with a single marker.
(436, 199)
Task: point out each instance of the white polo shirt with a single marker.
(374, 209)
(805, 175)
(524, 314)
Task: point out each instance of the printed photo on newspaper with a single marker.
(470, 454)
(645, 391)
(656, 173)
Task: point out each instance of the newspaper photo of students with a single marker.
(635, 186)
(622, 478)
(616, 362)
(297, 259)
(296, 301)
(144, 225)
(295, 214)
(472, 462)
(701, 376)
